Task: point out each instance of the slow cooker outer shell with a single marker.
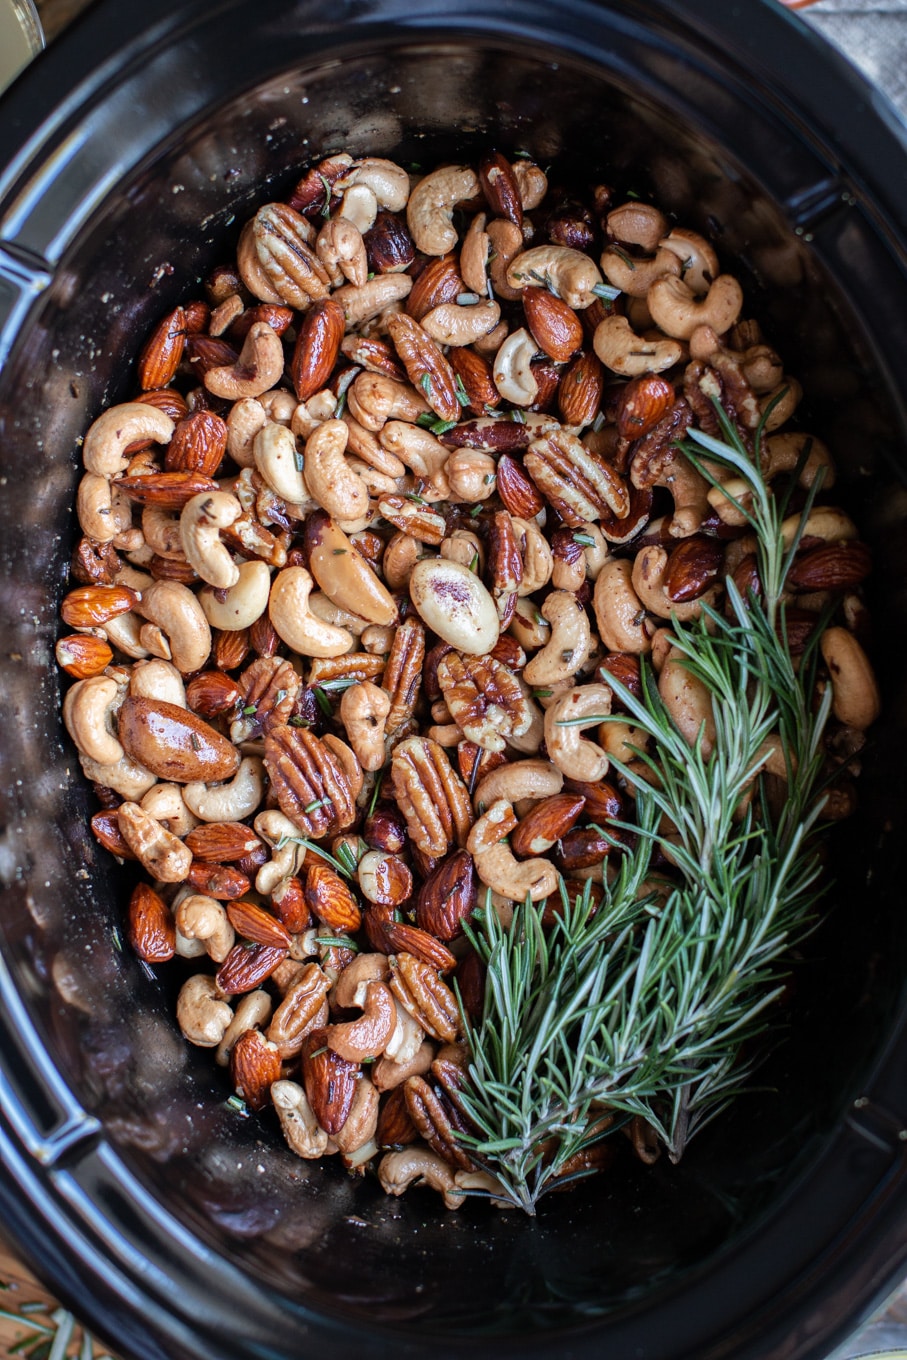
(117, 1151)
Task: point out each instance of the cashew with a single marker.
(165, 803)
(388, 181)
(203, 918)
(637, 224)
(274, 454)
(823, 521)
(566, 272)
(416, 448)
(782, 453)
(157, 680)
(374, 399)
(359, 207)
(300, 1128)
(471, 477)
(341, 250)
(522, 781)
(245, 419)
(527, 625)
(565, 720)
(377, 639)
(635, 277)
(294, 622)
(626, 353)
(366, 1037)
(329, 612)
(252, 1012)
(258, 368)
(104, 512)
(648, 575)
(569, 645)
(161, 532)
(513, 375)
(126, 777)
(495, 862)
(117, 428)
(409, 1053)
(352, 985)
(452, 323)
(243, 603)
(698, 260)
(88, 710)
(277, 830)
(356, 1139)
(162, 854)
(689, 703)
(201, 1012)
(622, 621)
(329, 478)
(780, 404)
(855, 694)
(363, 303)
(430, 209)
(474, 250)
(229, 802)
(363, 711)
(176, 611)
(397, 1171)
(677, 311)
(201, 521)
(364, 444)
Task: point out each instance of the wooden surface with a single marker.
(32, 1322)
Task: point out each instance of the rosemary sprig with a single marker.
(648, 1006)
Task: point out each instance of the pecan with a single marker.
(92, 606)
(477, 379)
(437, 1121)
(395, 1128)
(431, 796)
(268, 691)
(576, 482)
(151, 930)
(317, 347)
(254, 1067)
(692, 566)
(248, 536)
(555, 327)
(353, 666)
(831, 566)
(447, 898)
(95, 563)
(517, 491)
(546, 823)
(330, 1081)
(509, 652)
(428, 370)
(311, 786)
(328, 898)
(280, 237)
(485, 699)
(172, 569)
(303, 1008)
(83, 655)
(252, 922)
(198, 444)
(168, 490)
(642, 403)
(414, 517)
(212, 693)
(438, 282)
(505, 564)
(374, 354)
(389, 247)
(425, 996)
(220, 881)
(246, 966)
(579, 395)
(163, 351)
(650, 454)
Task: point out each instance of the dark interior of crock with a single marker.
(309, 1230)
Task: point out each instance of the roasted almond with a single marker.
(500, 187)
(212, 694)
(833, 566)
(408, 939)
(622, 666)
(288, 901)
(246, 966)
(162, 352)
(105, 827)
(252, 922)
(579, 396)
(555, 327)
(165, 399)
(222, 842)
(448, 897)
(198, 444)
(516, 489)
(81, 655)
(328, 898)
(602, 799)
(477, 378)
(388, 244)
(692, 567)
(581, 848)
(642, 403)
(207, 352)
(438, 282)
(272, 313)
(174, 743)
(221, 881)
(546, 823)
(330, 1081)
(92, 606)
(254, 1067)
(230, 648)
(317, 347)
(168, 490)
(395, 1128)
(151, 930)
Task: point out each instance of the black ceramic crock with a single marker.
(130, 153)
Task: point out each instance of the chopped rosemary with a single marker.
(462, 394)
(316, 850)
(337, 942)
(586, 540)
(605, 291)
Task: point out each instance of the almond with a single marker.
(254, 1067)
(253, 923)
(220, 881)
(622, 666)
(152, 931)
(212, 694)
(555, 327)
(206, 352)
(833, 566)
(311, 197)
(330, 1081)
(92, 606)
(198, 445)
(602, 799)
(516, 489)
(173, 743)
(395, 1128)
(169, 490)
(288, 901)
(692, 567)
(222, 842)
(374, 354)
(408, 939)
(438, 282)
(277, 317)
(163, 351)
(448, 897)
(105, 827)
(546, 823)
(317, 347)
(246, 966)
(230, 649)
(328, 898)
(81, 655)
(477, 377)
(580, 393)
(499, 185)
(581, 848)
(198, 312)
(642, 404)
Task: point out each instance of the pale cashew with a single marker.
(88, 713)
(377, 639)
(722, 500)
(243, 603)
(229, 802)
(496, 865)
(275, 455)
(569, 645)
(201, 1012)
(126, 777)
(176, 611)
(388, 181)
(203, 918)
(637, 224)
(474, 251)
(453, 323)
(855, 693)
(374, 399)
(699, 262)
(573, 754)
(782, 453)
(597, 552)
(531, 180)
(823, 521)
(277, 830)
(201, 521)
(162, 854)
(279, 405)
(117, 428)
(623, 624)
(363, 711)
(649, 566)
(161, 531)
(245, 419)
(252, 1012)
(368, 300)
(762, 368)
(104, 512)
(471, 477)
(626, 353)
(259, 366)
(157, 680)
(294, 622)
(409, 1053)
(783, 401)
(368, 1036)
(431, 205)
(527, 625)
(329, 612)
(513, 375)
(568, 273)
(165, 803)
(677, 311)
(519, 782)
(300, 1128)
(418, 1165)
(634, 276)
(415, 447)
(689, 703)
(341, 250)
(329, 478)
(359, 207)
(365, 445)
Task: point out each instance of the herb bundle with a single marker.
(650, 1005)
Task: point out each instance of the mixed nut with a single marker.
(397, 498)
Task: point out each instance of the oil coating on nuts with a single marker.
(455, 605)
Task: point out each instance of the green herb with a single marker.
(237, 1105)
(316, 850)
(474, 564)
(475, 511)
(376, 792)
(542, 693)
(425, 384)
(322, 700)
(319, 1051)
(347, 858)
(299, 460)
(280, 696)
(605, 291)
(337, 942)
(426, 418)
(586, 540)
(342, 682)
(327, 196)
(316, 804)
(340, 552)
(50, 1333)
(622, 255)
(194, 741)
(649, 1006)
(341, 405)
(462, 394)
(439, 427)
(466, 299)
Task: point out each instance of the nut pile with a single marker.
(394, 499)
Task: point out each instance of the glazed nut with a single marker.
(689, 703)
(447, 898)
(555, 327)
(384, 879)
(330, 1081)
(576, 481)
(296, 624)
(495, 863)
(575, 756)
(362, 303)
(366, 1037)
(345, 576)
(569, 274)
(624, 352)
(460, 324)
(569, 646)
(88, 713)
(425, 996)
(855, 693)
(174, 743)
(431, 205)
(431, 795)
(103, 510)
(678, 312)
(228, 801)
(374, 399)
(282, 242)
(544, 825)
(302, 1009)
(173, 608)
(152, 933)
(403, 673)
(201, 918)
(485, 700)
(307, 775)
(258, 368)
(363, 711)
(427, 368)
(254, 1068)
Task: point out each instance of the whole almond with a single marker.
(581, 848)
(317, 347)
(198, 444)
(579, 396)
(252, 922)
(328, 898)
(254, 1067)
(105, 827)
(277, 317)
(163, 351)
(395, 1128)
(438, 282)
(407, 939)
(222, 842)
(169, 490)
(175, 744)
(692, 567)
(832, 566)
(622, 666)
(602, 799)
(544, 825)
(207, 352)
(477, 377)
(92, 606)
(500, 187)
(246, 966)
(555, 327)
(516, 489)
(230, 648)
(81, 655)
(213, 693)
(448, 897)
(220, 881)
(330, 1081)
(151, 931)
(642, 404)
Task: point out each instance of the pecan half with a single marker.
(309, 781)
(425, 996)
(414, 517)
(578, 483)
(292, 268)
(403, 672)
(431, 796)
(437, 1121)
(427, 369)
(485, 699)
(303, 1009)
(268, 690)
